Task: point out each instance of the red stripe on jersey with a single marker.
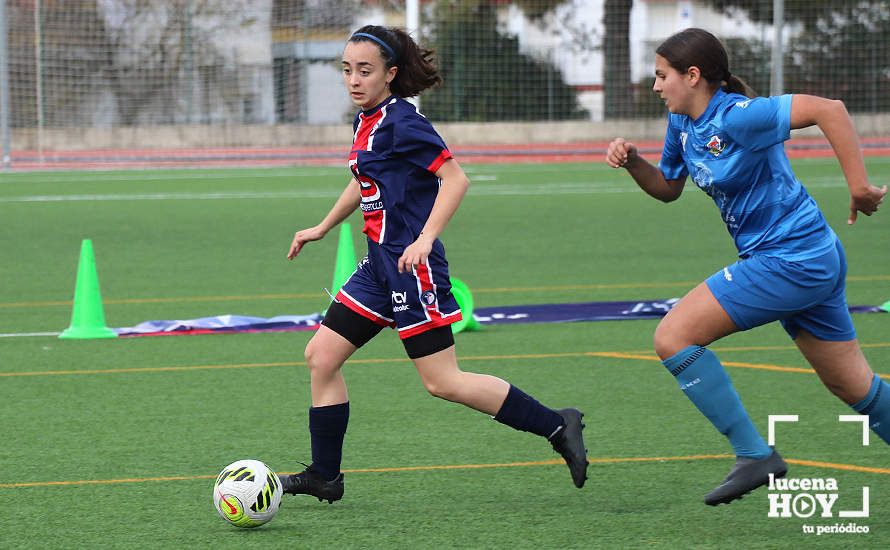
(363, 133)
(439, 161)
(430, 325)
(375, 220)
(357, 307)
(425, 278)
(435, 317)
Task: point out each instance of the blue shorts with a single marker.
(410, 302)
(808, 294)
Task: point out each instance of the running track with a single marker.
(334, 156)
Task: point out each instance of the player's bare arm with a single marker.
(624, 154)
(451, 193)
(833, 119)
(345, 205)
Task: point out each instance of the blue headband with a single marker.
(384, 45)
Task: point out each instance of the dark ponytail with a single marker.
(736, 85)
(698, 48)
(417, 71)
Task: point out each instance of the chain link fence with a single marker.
(100, 74)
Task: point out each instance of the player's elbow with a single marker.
(835, 108)
(458, 183)
(839, 105)
(809, 110)
(669, 193)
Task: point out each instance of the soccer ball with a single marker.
(247, 493)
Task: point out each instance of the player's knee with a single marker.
(666, 341)
(318, 359)
(443, 388)
(310, 355)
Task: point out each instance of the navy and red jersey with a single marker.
(395, 154)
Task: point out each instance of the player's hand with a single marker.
(866, 200)
(415, 254)
(620, 152)
(302, 237)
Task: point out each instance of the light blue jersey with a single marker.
(734, 152)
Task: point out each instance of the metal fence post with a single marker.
(5, 133)
(777, 75)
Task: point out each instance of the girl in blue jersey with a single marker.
(408, 186)
(791, 267)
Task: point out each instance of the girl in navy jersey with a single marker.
(791, 266)
(408, 186)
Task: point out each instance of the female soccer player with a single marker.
(791, 266)
(408, 186)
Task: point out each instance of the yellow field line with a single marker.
(737, 364)
(833, 466)
(435, 467)
(786, 347)
(47, 303)
(152, 369)
(620, 355)
(549, 462)
(496, 290)
(371, 361)
(100, 481)
(255, 297)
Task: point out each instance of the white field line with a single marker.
(482, 190)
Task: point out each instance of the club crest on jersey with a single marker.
(428, 298)
(716, 145)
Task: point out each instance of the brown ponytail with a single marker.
(736, 85)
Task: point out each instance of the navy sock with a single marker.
(877, 406)
(327, 426)
(522, 412)
(705, 382)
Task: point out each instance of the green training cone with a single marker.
(465, 300)
(345, 264)
(88, 315)
(885, 306)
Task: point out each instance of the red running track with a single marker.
(107, 159)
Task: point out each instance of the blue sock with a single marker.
(705, 382)
(877, 406)
(327, 426)
(522, 412)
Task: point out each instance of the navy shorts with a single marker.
(808, 294)
(411, 302)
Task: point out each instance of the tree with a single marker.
(616, 59)
(486, 78)
(836, 50)
(761, 11)
(73, 50)
(842, 54)
(169, 63)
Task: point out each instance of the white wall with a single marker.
(651, 21)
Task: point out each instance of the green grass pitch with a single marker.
(115, 443)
